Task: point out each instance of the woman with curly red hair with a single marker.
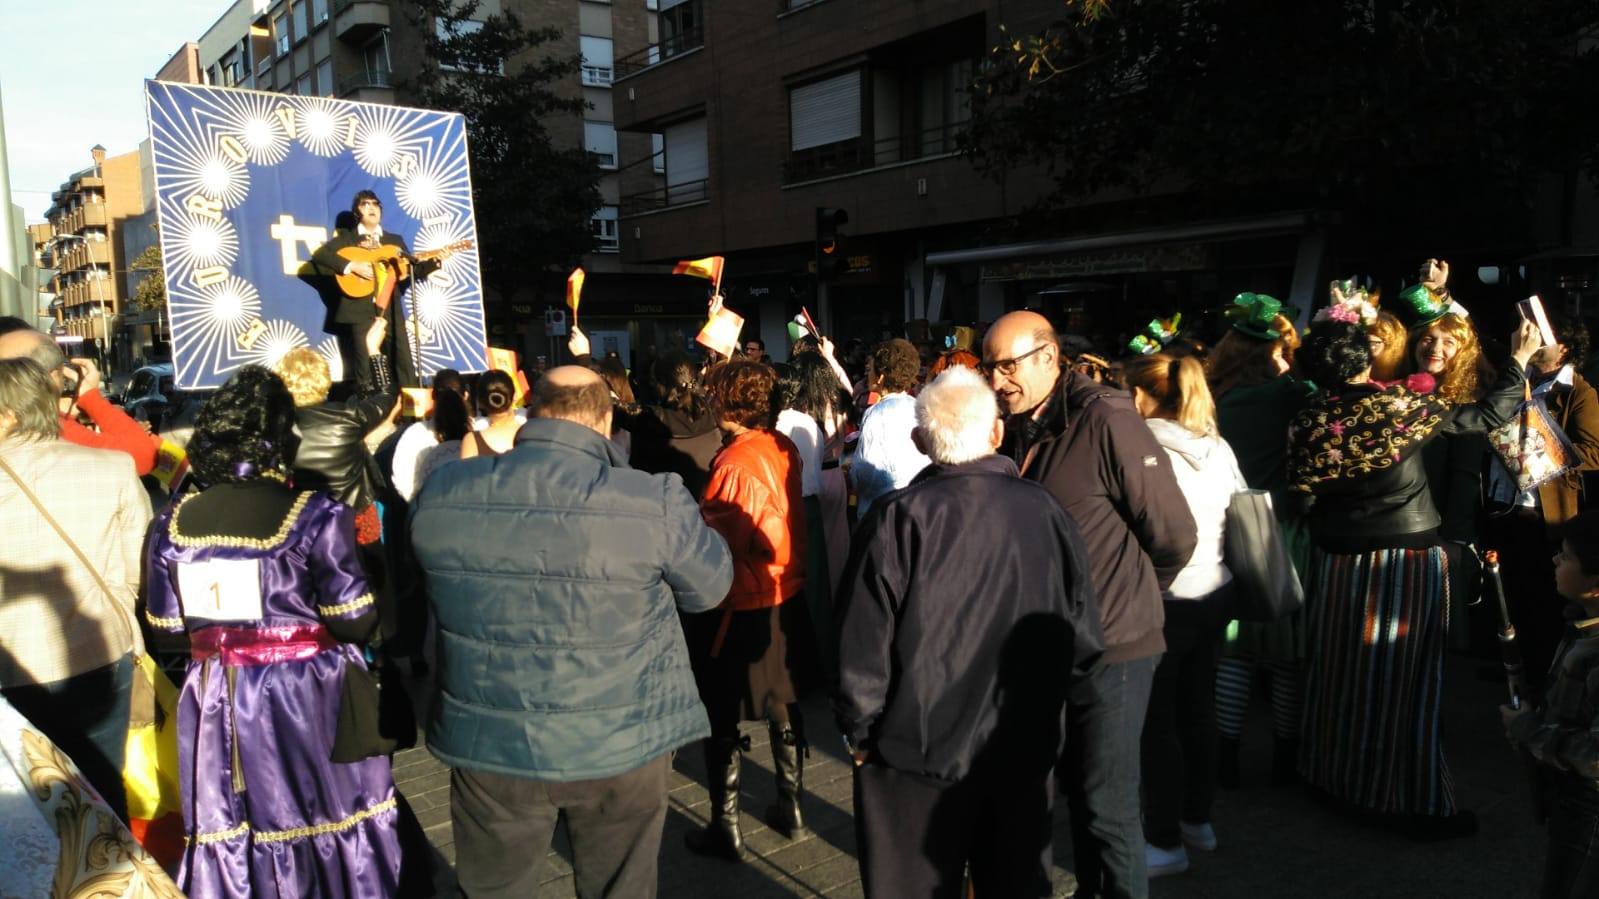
(746, 652)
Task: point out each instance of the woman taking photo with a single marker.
(746, 652)
(1372, 738)
(264, 583)
(1257, 395)
(1179, 741)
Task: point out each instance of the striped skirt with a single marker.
(1374, 680)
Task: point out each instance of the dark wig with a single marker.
(362, 195)
(1570, 332)
(244, 430)
(807, 384)
(1334, 353)
(451, 421)
(677, 384)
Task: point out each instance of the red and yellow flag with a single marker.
(574, 291)
(709, 268)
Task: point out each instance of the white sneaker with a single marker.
(1162, 862)
(1199, 836)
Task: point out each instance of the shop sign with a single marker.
(1189, 257)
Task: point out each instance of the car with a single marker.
(152, 396)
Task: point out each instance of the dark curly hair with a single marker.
(244, 430)
(451, 421)
(807, 384)
(495, 392)
(897, 363)
(676, 380)
(742, 392)
(1571, 332)
(1334, 353)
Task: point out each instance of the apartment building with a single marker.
(86, 216)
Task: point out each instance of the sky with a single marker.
(72, 75)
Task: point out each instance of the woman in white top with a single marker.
(807, 391)
(1179, 742)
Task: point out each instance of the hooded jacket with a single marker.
(1207, 471)
(1093, 451)
(670, 440)
(556, 574)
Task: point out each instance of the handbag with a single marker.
(1265, 583)
(1531, 446)
(375, 715)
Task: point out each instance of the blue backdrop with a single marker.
(248, 184)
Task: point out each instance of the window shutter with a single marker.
(685, 152)
(596, 51)
(825, 112)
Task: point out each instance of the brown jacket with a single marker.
(1577, 411)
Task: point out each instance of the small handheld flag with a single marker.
(709, 268)
(574, 292)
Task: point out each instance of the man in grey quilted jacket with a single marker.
(556, 574)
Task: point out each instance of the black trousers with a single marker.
(396, 347)
(1179, 740)
(503, 826)
(914, 835)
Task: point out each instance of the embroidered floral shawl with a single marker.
(1340, 437)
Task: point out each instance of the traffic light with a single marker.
(830, 259)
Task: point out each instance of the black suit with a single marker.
(350, 318)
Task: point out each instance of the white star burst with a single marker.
(233, 303)
(280, 337)
(375, 150)
(265, 140)
(198, 242)
(319, 129)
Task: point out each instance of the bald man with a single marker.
(1088, 445)
(113, 428)
(556, 574)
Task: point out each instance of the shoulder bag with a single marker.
(1266, 585)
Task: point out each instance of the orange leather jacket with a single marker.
(753, 501)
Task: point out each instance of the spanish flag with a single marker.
(574, 291)
(709, 268)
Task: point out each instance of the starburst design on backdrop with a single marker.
(440, 182)
(329, 349)
(385, 133)
(196, 241)
(211, 320)
(280, 337)
(320, 127)
(249, 118)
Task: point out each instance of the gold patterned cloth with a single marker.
(1358, 432)
(61, 840)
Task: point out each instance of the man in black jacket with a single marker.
(1088, 445)
(966, 611)
(352, 316)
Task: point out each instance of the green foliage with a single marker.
(151, 294)
(533, 199)
(1365, 102)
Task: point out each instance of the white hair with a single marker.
(956, 413)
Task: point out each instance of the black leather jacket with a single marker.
(1394, 507)
(333, 456)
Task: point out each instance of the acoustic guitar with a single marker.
(390, 265)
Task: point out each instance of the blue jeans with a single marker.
(86, 716)
(1104, 725)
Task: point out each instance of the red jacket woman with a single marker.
(753, 501)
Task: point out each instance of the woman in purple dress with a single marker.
(265, 584)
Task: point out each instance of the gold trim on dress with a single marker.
(352, 605)
(273, 542)
(168, 623)
(294, 833)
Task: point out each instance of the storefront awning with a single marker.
(1233, 229)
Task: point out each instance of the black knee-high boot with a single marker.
(788, 758)
(721, 837)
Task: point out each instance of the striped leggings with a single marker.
(1234, 679)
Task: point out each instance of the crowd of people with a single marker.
(1007, 565)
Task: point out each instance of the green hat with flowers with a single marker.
(1419, 306)
(1255, 314)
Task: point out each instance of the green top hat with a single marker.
(1419, 306)
(1155, 336)
(1255, 314)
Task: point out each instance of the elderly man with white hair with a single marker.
(966, 613)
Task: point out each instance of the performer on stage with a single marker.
(354, 314)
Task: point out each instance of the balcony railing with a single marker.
(676, 45)
(858, 154)
(374, 79)
(666, 197)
